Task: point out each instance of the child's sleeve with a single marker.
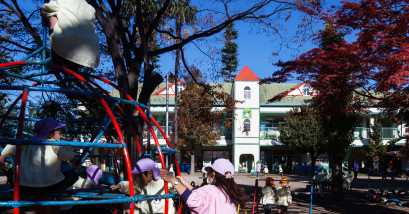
(124, 187)
(198, 200)
(63, 152)
(290, 199)
(50, 9)
(9, 151)
(265, 190)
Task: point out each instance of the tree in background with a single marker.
(303, 131)
(373, 66)
(229, 54)
(325, 70)
(134, 32)
(199, 119)
(184, 15)
(375, 147)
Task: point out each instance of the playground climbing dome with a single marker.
(16, 126)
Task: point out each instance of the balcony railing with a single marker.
(362, 133)
(390, 133)
(271, 133)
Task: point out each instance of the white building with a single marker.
(255, 135)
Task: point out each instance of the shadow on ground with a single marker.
(354, 200)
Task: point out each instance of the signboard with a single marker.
(247, 113)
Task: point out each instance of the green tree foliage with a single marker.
(375, 147)
(229, 54)
(303, 131)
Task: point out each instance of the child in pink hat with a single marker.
(40, 164)
(222, 195)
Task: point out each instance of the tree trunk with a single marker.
(192, 163)
(313, 160)
(337, 183)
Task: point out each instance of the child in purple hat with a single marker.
(148, 182)
(222, 195)
(40, 164)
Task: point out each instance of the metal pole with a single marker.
(312, 191)
(167, 113)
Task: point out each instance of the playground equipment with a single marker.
(19, 133)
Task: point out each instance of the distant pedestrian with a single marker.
(265, 169)
(356, 169)
(384, 174)
(280, 170)
(258, 168)
(375, 168)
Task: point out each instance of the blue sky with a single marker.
(255, 49)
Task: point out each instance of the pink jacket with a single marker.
(210, 200)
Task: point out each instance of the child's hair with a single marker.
(270, 181)
(229, 186)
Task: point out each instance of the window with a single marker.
(179, 87)
(247, 93)
(246, 125)
(307, 90)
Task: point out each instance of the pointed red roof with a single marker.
(246, 75)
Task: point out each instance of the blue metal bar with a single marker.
(152, 155)
(164, 149)
(16, 204)
(312, 189)
(26, 78)
(123, 199)
(60, 143)
(33, 53)
(151, 197)
(106, 121)
(96, 156)
(48, 89)
(73, 121)
(11, 129)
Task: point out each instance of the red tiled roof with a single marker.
(246, 75)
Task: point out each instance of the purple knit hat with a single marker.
(45, 126)
(94, 173)
(144, 165)
(221, 166)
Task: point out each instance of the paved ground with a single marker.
(354, 201)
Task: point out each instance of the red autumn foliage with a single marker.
(374, 65)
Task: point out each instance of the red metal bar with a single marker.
(162, 160)
(115, 123)
(11, 107)
(255, 195)
(123, 113)
(168, 142)
(21, 125)
(8, 64)
(16, 195)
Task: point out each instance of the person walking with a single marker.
(356, 169)
(258, 168)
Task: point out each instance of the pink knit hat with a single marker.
(45, 126)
